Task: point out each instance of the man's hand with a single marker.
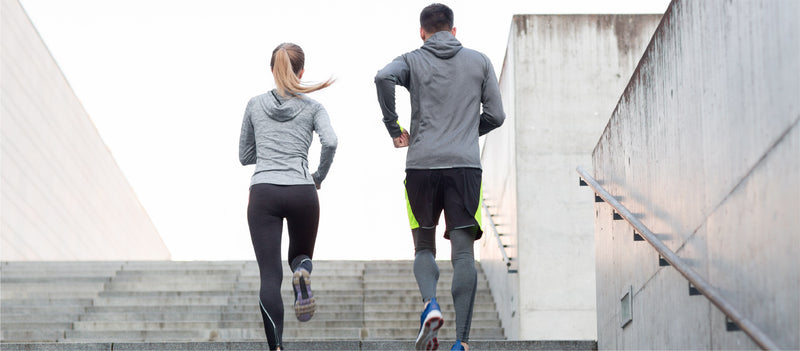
(402, 140)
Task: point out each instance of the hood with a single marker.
(442, 44)
(281, 108)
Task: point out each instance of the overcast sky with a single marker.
(166, 83)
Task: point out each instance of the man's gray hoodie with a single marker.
(448, 85)
(276, 134)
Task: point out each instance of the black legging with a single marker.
(269, 205)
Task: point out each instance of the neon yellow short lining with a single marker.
(412, 221)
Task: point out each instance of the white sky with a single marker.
(166, 84)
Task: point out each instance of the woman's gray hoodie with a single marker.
(276, 134)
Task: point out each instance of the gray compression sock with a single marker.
(427, 273)
(465, 279)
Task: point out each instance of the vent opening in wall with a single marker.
(626, 308)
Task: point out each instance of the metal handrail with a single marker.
(694, 278)
(506, 259)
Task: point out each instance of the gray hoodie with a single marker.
(276, 134)
(448, 85)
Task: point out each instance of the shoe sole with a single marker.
(304, 304)
(427, 340)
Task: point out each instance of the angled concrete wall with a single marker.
(62, 195)
(498, 160)
(561, 78)
(704, 147)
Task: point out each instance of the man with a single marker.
(448, 85)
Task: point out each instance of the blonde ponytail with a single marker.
(287, 61)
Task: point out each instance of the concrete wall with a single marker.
(62, 195)
(704, 147)
(561, 78)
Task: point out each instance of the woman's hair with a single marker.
(287, 61)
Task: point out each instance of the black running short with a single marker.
(456, 191)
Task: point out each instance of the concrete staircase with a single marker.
(213, 305)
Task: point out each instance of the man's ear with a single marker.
(422, 34)
(300, 74)
(453, 31)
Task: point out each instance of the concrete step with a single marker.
(241, 294)
(446, 314)
(230, 313)
(42, 302)
(10, 311)
(248, 266)
(162, 301)
(476, 333)
(8, 288)
(320, 317)
(40, 325)
(322, 299)
(290, 322)
(482, 311)
(413, 292)
(59, 265)
(180, 278)
(53, 279)
(412, 285)
(352, 345)
(315, 285)
(248, 323)
(183, 265)
(27, 335)
(315, 278)
(29, 273)
(257, 333)
(216, 334)
(48, 294)
(169, 286)
(139, 335)
(13, 318)
(445, 298)
(162, 309)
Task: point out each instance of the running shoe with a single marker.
(304, 303)
(430, 322)
(457, 346)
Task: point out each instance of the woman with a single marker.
(276, 133)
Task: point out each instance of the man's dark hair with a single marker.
(436, 18)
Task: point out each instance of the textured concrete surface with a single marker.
(561, 79)
(703, 147)
(63, 197)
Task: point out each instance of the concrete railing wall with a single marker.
(704, 147)
(561, 78)
(62, 195)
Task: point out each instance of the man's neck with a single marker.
(427, 35)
